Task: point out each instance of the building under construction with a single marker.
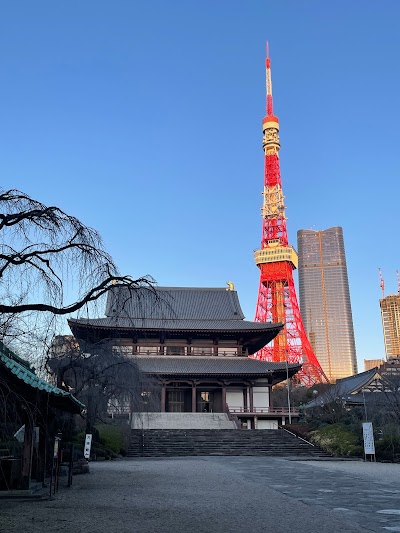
(390, 312)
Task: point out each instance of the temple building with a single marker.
(196, 346)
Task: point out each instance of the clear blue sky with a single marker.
(144, 120)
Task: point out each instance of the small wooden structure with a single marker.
(28, 406)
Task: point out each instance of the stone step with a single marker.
(184, 442)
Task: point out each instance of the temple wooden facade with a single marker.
(196, 345)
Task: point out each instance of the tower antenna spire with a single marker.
(276, 259)
(398, 281)
(268, 78)
(381, 283)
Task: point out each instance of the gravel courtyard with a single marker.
(217, 494)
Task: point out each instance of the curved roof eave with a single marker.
(261, 328)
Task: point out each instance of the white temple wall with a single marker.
(267, 424)
(261, 397)
(234, 398)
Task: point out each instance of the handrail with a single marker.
(297, 436)
(233, 417)
(264, 410)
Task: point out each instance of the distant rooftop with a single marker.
(344, 388)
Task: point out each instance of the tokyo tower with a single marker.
(276, 259)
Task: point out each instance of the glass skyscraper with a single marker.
(325, 300)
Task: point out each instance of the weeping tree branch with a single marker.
(90, 296)
(51, 264)
(98, 375)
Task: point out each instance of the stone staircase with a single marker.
(222, 442)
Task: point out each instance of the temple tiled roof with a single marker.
(213, 366)
(344, 388)
(177, 324)
(23, 371)
(175, 308)
(190, 303)
(175, 312)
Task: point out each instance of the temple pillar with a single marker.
(215, 347)
(42, 448)
(194, 397)
(163, 396)
(27, 452)
(270, 396)
(251, 398)
(224, 406)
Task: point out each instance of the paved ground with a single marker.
(217, 495)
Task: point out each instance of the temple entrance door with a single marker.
(175, 401)
(205, 401)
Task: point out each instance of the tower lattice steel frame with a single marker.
(276, 259)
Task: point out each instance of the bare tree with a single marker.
(51, 265)
(328, 405)
(101, 376)
(391, 394)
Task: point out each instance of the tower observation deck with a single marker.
(276, 259)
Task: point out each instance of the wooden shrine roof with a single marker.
(23, 374)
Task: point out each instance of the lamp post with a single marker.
(365, 406)
(288, 392)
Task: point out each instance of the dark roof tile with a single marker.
(208, 365)
(160, 303)
(175, 324)
(343, 388)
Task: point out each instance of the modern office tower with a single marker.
(325, 300)
(390, 311)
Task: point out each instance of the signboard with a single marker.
(20, 435)
(88, 443)
(368, 434)
(56, 446)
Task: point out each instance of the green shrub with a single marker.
(345, 439)
(338, 440)
(355, 451)
(388, 449)
(110, 445)
(111, 437)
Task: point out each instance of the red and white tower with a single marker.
(276, 259)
